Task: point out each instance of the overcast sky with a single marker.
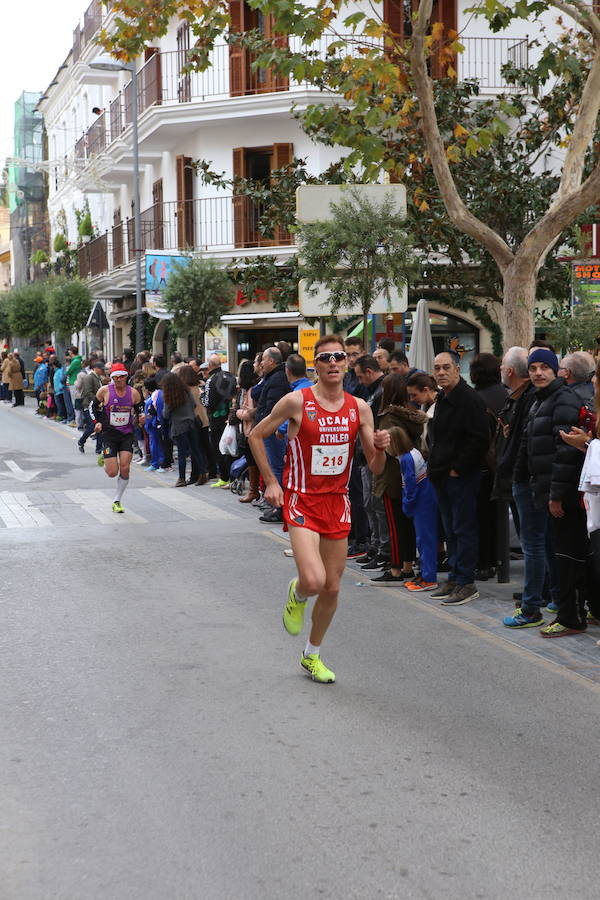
(37, 36)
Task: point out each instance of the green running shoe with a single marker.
(316, 668)
(293, 613)
(100, 460)
(118, 507)
(220, 483)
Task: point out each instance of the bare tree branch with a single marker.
(458, 212)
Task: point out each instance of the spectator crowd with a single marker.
(524, 437)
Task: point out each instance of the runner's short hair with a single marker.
(329, 339)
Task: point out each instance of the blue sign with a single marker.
(159, 266)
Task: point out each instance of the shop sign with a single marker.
(307, 338)
(586, 283)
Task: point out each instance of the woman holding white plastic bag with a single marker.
(588, 441)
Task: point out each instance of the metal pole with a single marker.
(137, 221)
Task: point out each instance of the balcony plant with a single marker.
(85, 228)
(60, 243)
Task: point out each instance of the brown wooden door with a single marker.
(241, 221)
(158, 241)
(282, 157)
(185, 202)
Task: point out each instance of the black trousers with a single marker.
(594, 575)
(487, 523)
(360, 531)
(573, 554)
(403, 545)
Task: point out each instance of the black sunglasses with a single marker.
(336, 356)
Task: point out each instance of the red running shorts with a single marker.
(326, 514)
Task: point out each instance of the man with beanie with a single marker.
(546, 479)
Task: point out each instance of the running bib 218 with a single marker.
(329, 460)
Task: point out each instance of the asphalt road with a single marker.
(160, 742)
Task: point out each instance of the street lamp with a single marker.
(107, 64)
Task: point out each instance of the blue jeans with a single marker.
(189, 445)
(275, 448)
(457, 499)
(68, 405)
(535, 535)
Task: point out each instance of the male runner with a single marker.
(112, 411)
(324, 422)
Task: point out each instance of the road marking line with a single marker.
(99, 507)
(193, 507)
(19, 508)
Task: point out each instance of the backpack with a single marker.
(224, 385)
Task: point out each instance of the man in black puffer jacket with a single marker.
(546, 480)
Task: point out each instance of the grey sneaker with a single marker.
(443, 591)
(462, 593)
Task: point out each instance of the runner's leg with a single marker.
(311, 571)
(123, 479)
(333, 559)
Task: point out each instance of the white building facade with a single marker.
(239, 121)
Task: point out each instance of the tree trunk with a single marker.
(519, 303)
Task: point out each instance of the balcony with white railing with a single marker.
(163, 82)
(208, 224)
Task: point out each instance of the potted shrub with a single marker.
(86, 229)
(60, 243)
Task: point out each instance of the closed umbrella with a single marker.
(421, 354)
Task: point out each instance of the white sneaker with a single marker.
(288, 552)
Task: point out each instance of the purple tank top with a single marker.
(120, 410)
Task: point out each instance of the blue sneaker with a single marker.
(150, 468)
(552, 606)
(523, 620)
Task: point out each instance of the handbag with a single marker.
(228, 442)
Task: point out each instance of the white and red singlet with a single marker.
(318, 465)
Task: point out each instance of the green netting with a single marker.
(25, 183)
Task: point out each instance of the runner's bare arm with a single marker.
(289, 407)
(373, 442)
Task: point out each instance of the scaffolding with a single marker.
(25, 181)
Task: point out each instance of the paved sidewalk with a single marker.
(578, 653)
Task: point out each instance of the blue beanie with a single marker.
(543, 355)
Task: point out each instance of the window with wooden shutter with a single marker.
(442, 11)
(242, 78)
(184, 80)
(185, 202)
(258, 164)
(239, 60)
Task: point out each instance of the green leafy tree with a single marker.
(28, 311)
(5, 331)
(198, 293)
(390, 121)
(572, 329)
(69, 305)
(364, 251)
